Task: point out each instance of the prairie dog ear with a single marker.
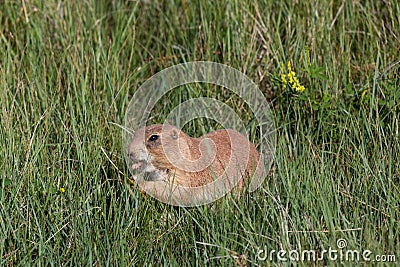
(174, 134)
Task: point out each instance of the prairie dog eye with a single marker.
(154, 137)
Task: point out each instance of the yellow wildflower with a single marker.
(293, 81)
(62, 189)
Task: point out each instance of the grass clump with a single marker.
(67, 73)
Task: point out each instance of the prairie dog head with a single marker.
(154, 148)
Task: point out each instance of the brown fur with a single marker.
(186, 147)
(193, 164)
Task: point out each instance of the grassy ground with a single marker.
(68, 70)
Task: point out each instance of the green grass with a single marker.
(68, 71)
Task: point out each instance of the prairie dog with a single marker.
(171, 158)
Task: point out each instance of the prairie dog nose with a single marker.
(130, 154)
